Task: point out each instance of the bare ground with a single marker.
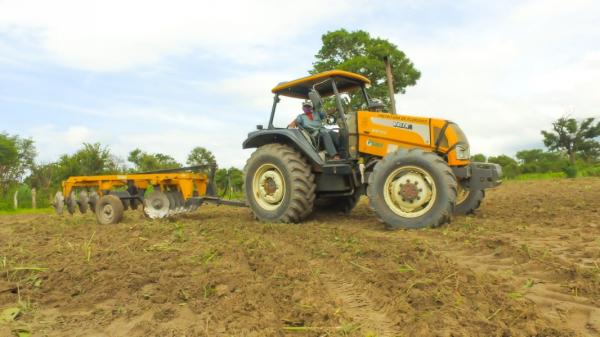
(527, 264)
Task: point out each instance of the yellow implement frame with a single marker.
(189, 184)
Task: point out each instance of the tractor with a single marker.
(416, 171)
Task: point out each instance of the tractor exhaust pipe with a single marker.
(390, 82)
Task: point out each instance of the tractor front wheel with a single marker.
(279, 184)
(467, 201)
(412, 189)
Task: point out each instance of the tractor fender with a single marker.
(292, 137)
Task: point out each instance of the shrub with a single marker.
(570, 171)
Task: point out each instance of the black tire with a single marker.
(436, 214)
(297, 200)
(470, 203)
(109, 210)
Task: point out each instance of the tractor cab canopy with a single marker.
(300, 88)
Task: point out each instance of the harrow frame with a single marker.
(181, 189)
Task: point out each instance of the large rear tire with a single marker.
(412, 189)
(467, 201)
(279, 184)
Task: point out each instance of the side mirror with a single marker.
(259, 127)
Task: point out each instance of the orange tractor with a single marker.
(416, 171)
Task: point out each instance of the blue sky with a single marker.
(168, 76)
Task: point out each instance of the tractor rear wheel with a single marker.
(412, 189)
(467, 201)
(109, 210)
(279, 184)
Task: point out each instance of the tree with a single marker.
(91, 159)
(538, 161)
(358, 52)
(200, 156)
(144, 161)
(510, 167)
(42, 175)
(16, 158)
(478, 157)
(229, 180)
(573, 137)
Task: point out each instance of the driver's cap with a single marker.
(307, 103)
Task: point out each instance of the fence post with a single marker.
(33, 198)
(16, 199)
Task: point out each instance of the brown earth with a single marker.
(527, 264)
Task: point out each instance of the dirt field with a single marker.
(527, 264)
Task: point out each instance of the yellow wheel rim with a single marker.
(409, 191)
(268, 187)
(462, 194)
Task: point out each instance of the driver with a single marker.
(313, 123)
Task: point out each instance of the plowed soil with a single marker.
(526, 264)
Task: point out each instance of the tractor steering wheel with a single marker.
(331, 119)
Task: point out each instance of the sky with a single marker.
(166, 76)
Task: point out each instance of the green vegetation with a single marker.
(144, 161)
(20, 174)
(360, 53)
(573, 151)
(576, 138)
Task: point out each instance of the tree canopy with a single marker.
(358, 52)
(538, 161)
(144, 161)
(201, 156)
(574, 137)
(16, 158)
(91, 159)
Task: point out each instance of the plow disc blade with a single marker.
(83, 201)
(93, 200)
(156, 205)
(71, 203)
(59, 203)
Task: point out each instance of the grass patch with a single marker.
(27, 211)
(538, 176)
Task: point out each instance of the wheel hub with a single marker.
(107, 210)
(271, 187)
(409, 191)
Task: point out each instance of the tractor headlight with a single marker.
(462, 152)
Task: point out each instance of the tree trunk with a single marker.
(572, 157)
(33, 198)
(16, 200)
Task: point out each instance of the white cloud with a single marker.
(115, 35)
(502, 74)
(51, 141)
(505, 76)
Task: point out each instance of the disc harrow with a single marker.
(161, 194)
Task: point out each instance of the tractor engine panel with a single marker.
(382, 133)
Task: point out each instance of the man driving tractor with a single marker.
(312, 122)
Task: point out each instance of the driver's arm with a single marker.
(295, 122)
